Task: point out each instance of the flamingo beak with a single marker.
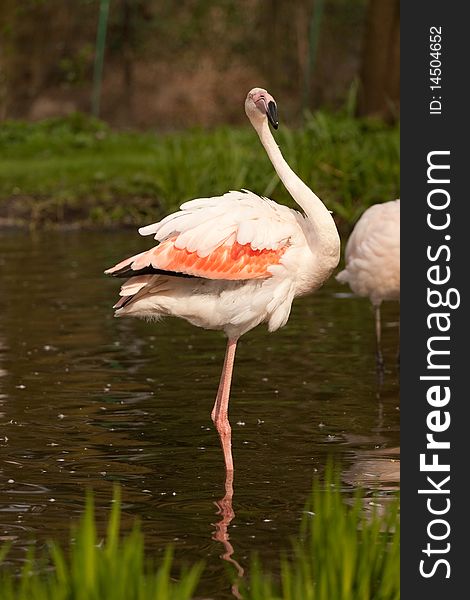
(271, 113)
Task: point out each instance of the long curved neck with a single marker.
(320, 219)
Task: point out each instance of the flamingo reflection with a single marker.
(225, 510)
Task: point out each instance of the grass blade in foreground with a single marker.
(114, 570)
(343, 553)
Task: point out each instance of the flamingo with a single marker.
(373, 259)
(234, 261)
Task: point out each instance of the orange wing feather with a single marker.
(228, 261)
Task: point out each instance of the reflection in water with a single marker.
(225, 510)
(88, 401)
(3, 373)
(377, 470)
(380, 370)
(380, 364)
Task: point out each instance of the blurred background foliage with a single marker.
(172, 125)
(173, 64)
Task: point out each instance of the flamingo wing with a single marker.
(236, 236)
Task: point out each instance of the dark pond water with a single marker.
(87, 400)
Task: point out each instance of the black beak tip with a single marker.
(272, 114)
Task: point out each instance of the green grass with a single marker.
(115, 569)
(343, 552)
(77, 169)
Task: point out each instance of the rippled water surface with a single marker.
(87, 400)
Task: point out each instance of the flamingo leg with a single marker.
(398, 350)
(220, 411)
(378, 336)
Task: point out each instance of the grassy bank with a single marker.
(342, 553)
(76, 169)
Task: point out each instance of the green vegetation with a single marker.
(76, 169)
(344, 552)
(115, 569)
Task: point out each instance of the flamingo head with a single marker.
(260, 105)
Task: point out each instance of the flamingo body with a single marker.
(227, 263)
(372, 259)
(372, 254)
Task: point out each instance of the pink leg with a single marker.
(220, 410)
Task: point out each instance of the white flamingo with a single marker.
(234, 261)
(372, 259)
